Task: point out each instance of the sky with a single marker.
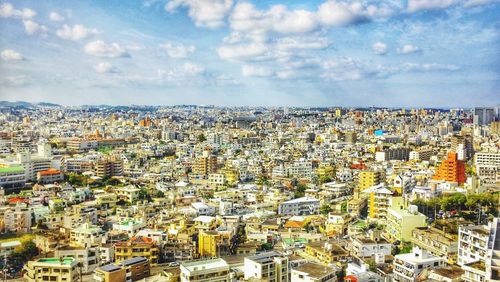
(406, 53)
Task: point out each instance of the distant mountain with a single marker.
(23, 104)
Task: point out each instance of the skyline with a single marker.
(432, 53)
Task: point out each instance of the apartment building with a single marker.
(408, 266)
(379, 201)
(268, 266)
(300, 206)
(109, 273)
(368, 179)
(87, 235)
(326, 252)
(211, 270)
(52, 269)
(12, 176)
(436, 242)
(313, 272)
(109, 167)
(400, 222)
(137, 247)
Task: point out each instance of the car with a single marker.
(173, 264)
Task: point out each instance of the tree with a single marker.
(159, 194)
(325, 209)
(455, 201)
(324, 179)
(300, 191)
(144, 195)
(201, 138)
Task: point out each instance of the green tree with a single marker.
(159, 194)
(325, 209)
(300, 191)
(201, 138)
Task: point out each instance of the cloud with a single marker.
(245, 17)
(75, 33)
(99, 48)
(32, 27)
(257, 71)
(14, 81)
(475, 3)
(334, 13)
(408, 49)
(420, 5)
(55, 17)
(303, 42)
(379, 48)
(205, 13)
(104, 67)
(8, 11)
(178, 51)
(242, 51)
(413, 67)
(11, 55)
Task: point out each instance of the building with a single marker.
(326, 252)
(137, 247)
(472, 243)
(436, 242)
(400, 222)
(300, 206)
(408, 266)
(313, 272)
(109, 167)
(483, 116)
(205, 164)
(267, 266)
(213, 243)
(87, 235)
(216, 270)
(452, 169)
(109, 273)
(368, 179)
(12, 176)
(52, 269)
(49, 176)
(379, 201)
(136, 268)
(368, 247)
(87, 257)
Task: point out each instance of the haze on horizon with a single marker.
(415, 53)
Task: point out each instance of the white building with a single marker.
(216, 270)
(268, 266)
(300, 206)
(408, 266)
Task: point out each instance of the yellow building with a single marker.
(326, 252)
(232, 176)
(137, 247)
(379, 201)
(368, 179)
(325, 170)
(52, 269)
(207, 243)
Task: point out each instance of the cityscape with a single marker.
(250, 141)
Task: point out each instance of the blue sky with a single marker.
(414, 53)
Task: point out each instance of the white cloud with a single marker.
(206, 13)
(14, 80)
(178, 51)
(77, 32)
(56, 17)
(242, 51)
(11, 55)
(257, 71)
(187, 71)
(247, 18)
(335, 13)
(412, 67)
(7, 11)
(104, 67)
(419, 5)
(379, 48)
(408, 49)
(475, 3)
(99, 48)
(308, 42)
(32, 27)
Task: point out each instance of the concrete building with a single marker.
(216, 270)
(267, 266)
(52, 269)
(300, 206)
(408, 266)
(400, 222)
(313, 272)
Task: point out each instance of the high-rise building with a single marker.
(452, 169)
(484, 115)
(205, 164)
(108, 167)
(368, 179)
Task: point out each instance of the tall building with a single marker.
(368, 179)
(452, 169)
(484, 115)
(205, 164)
(109, 167)
(379, 201)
